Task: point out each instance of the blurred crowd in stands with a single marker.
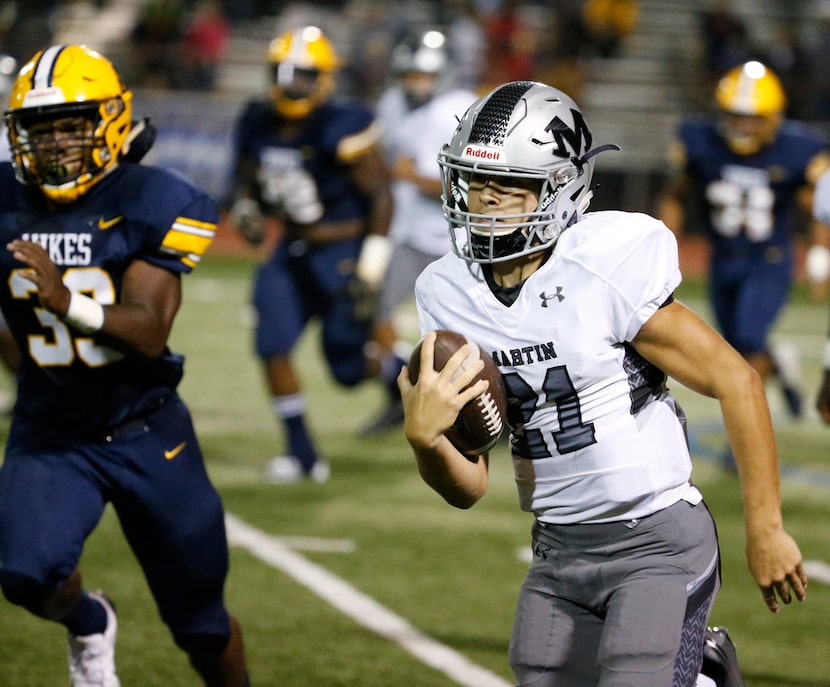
(181, 44)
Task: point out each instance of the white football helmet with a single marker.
(527, 130)
(421, 64)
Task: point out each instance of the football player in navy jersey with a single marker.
(314, 162)
(749, 169)
(95, 250)
(577, 309)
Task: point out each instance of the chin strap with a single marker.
(583, 205)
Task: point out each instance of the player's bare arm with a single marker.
(370, 174)
(431, 406)
(150, 298)
(686, 348)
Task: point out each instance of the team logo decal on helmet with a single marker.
(68, 119)
(522, 130)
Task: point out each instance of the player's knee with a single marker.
(201, 645)
(349, 372)
(22, 590)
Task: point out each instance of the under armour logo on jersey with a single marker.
(545, 297)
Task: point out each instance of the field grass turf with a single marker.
(453, 575)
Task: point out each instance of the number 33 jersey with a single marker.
(749, 201)
(77, 382)
(595, 435)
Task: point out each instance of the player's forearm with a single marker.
(749, 430)
(135, 328)
(380, 215)
(458, 480)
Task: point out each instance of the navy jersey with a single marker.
(316, 144)
(72, 381)
(750, 199)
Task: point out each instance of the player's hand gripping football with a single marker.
(434, 402)
(53, 293)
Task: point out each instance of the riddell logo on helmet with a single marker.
(51, 95)
(482, 153)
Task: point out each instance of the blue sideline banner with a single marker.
(194, 136)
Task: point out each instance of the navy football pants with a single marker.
(53, 491)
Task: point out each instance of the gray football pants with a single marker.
(617, 604)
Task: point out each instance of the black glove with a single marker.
(366, 299)
(246, 217)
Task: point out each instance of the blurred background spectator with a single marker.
(726, 40)
(608, 23)
(817, 73)
(206, 36)
(466, 40)
(157, 44)
(787, 57)
(26, 27)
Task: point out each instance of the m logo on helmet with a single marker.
(570, 142)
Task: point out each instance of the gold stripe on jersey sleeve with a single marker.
(188, 238)
(357, 144)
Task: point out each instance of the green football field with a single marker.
(370, 580)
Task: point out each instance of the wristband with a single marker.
(817, 264)
(374, 258)
(826, 359)
(84, 314)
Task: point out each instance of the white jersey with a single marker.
(596, 437)
(418, 220)
(821, 199)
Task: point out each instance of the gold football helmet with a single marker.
(303, 66)
(68, 117)
(752, 102)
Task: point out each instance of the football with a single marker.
(480, 423)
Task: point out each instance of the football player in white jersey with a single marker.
(419, 112)
(577, 310)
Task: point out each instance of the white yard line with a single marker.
(358, 606)
(318, 544)
(817, 571)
